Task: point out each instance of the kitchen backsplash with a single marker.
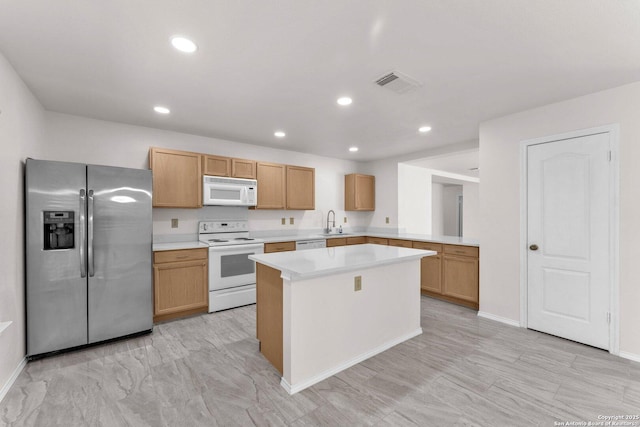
(262, 222)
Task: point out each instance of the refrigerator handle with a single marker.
(83, 237)
(90, 227)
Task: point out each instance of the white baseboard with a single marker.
(630, 356)
(292, 389)
(499, 319)
(13, 378)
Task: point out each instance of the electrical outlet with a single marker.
(284, 221)
(387, 220)
(345, 219)
(357, 283)
(291, 220)
(174, 222)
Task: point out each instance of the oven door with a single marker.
(230, 266)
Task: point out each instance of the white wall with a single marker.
(414, 199)
(20, 136)
(450, 212)
(500, 207)
(437, 222)
(74, 138)
(471, 210)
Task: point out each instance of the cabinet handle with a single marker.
(533, 247)
(182, 256)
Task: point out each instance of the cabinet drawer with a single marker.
(401, 243)
(160, 257)
(279, 247)
(336, 242)
(428, 246)
(356, 240)
(377, 240)
(461, 250)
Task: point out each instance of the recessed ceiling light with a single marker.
(424, 129)
(353, 149)
(183, 44)
(161, 110)
(280, 134)
(345, 100)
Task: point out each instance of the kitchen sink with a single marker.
(334, 234)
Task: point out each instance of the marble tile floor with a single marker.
(207, 371)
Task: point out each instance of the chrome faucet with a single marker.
(328, 230)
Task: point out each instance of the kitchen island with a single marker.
(323, 310)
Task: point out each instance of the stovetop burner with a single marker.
(225, 233)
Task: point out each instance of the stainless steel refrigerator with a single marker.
(88, 254)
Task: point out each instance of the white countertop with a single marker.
(450, 240)
(192, 244)
(341, 259)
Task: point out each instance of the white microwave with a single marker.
(221, 191)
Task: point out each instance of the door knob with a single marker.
(533, 247)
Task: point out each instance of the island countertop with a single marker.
(327, 261)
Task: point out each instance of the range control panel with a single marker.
(223, 226)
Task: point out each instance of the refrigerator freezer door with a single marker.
(56, 293)
(120, 290)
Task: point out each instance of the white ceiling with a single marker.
(281, 64)
(461, 163)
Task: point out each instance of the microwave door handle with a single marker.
(83, 235)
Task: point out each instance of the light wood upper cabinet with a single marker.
(216, 165)
(359, 192)
(177, 178)
(241, 168)
(301, 188)
(227, 166)
(271, 185)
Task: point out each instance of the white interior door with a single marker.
(568, 233)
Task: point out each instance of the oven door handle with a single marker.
(236, 248)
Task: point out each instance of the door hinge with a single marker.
(608, 317)
(610, 155)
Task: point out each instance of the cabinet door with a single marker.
(431, 274)
(356, 240)
(241, 168)
(177, 178)
(401, 243)
(180, 286)
(340, 241)
(460, 277)
(359, 192)
(216, 165)
(377, 240)
(279, 247)
(271, 185)
(301, 188)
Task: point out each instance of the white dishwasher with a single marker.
(311, 244)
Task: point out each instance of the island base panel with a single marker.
(269, 314)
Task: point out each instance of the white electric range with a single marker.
(232, 275)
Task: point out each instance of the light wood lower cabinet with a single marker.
(377, 240)
(400, 243)
(180, 283)
(338, 241)
(279, 247)
(358, 240)
(460, 273)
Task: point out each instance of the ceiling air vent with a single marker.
(398, 82)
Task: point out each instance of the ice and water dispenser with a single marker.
(58, 230)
